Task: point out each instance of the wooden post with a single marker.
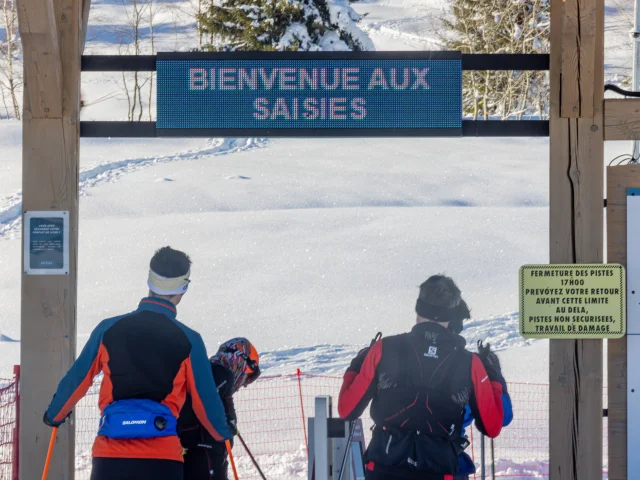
(576, 227)
(618, 180)
(52, 34)
(579, 42)
(622, 119)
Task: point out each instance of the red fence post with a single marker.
(304, 422)
(15, 465)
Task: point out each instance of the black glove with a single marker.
(356, 363)
(233, 426)
(51, 423)
(490, 361)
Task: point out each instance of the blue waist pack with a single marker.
(137, 418)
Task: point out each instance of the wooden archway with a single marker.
(53, 34)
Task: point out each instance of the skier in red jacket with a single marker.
(418, 384)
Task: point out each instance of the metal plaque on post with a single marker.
(310, 93)
(46, 243)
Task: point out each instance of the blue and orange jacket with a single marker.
(146, 354)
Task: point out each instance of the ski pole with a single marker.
(47, 462)
(482, 465)
(493, 462)
(231, 460)
(251, 456)
(352, 429)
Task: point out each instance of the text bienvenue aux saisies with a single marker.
(314, 84)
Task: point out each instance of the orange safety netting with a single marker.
(272, 415)
(270, 419)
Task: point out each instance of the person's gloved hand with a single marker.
(233, 426)
(490, 361)
(356, 363)
(51, 423)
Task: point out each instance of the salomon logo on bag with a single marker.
(136, 418)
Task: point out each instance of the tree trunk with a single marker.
(476, 107)
(9, 9)
(486, 95)
(199, 24)
(136, 47)
(126, 91)
(211, 33)
(153, 51)
(4, 102)
(134, 105)
(525, 93)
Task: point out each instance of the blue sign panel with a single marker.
(302, 91)
(46, 246)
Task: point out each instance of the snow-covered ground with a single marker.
(296, 244)
(306, 246)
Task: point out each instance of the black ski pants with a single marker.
(135, 469)
(203, 463)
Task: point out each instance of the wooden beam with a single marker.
(576, 227)
(622, 119)
(50, 34)
(618, 180)
(86, 7)
(38, 27)
(578, 69)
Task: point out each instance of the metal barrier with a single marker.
(272, 413)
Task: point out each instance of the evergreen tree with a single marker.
(282, 25)
(501, 26)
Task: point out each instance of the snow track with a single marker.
(11, 206)
(500, 331)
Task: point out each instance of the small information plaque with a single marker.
(46, 243)
(572, 301)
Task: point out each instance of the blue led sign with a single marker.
(290, 91)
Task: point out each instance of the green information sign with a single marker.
(572, 301)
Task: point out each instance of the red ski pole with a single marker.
(231, 460)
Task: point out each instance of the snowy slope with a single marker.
(298, 245)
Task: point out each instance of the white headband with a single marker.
(168, 286)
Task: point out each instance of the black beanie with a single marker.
(440, 300)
